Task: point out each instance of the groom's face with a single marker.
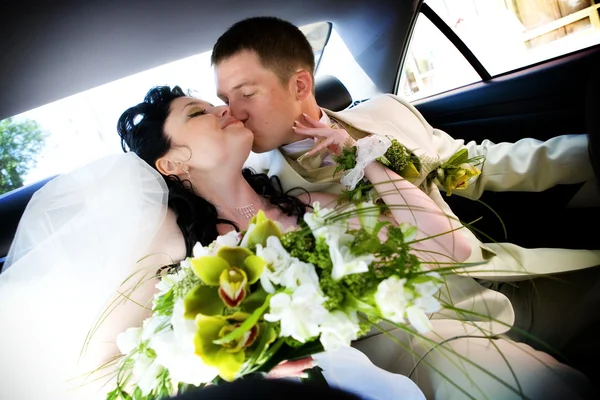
(257, 97)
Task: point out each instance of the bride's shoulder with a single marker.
(168, 246)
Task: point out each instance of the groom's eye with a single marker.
(247, 96)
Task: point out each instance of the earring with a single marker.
(187, 172)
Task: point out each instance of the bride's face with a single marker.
(214, 138)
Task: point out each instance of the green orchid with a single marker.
(225, 278)
(229, 357)
(410, 172)
(457, 177)
(259, 230)
(455, 173)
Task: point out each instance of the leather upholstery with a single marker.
(12, 206)
(331, 93)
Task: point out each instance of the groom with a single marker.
(264, 68)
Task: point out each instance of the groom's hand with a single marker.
(332, 139)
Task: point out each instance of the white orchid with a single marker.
(320, 223)
(395, 300)
(368, 215)
(409, 231)
(339, 241)
(299, 314)
(424, 303)
(338, 330)
(135, 337)
(167, 281)
(185, 264)
(175, 351)
(392, 299)
(428, 304)
(418, 319)
(165, 284)
(430, 287)
(344, 262)
(147, 372)
(145, 368)
(277, 258)
(129, 340)
(298, 274)
(199, 250)
(417, 313)
(316, 219)
(249, 232)
(231, 239)
(184, 328)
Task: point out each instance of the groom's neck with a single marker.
(315, 112)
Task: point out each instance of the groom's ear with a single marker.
(168, 167)
(303, 84)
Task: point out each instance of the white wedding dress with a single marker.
(75, 244)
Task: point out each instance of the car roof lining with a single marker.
(56, 49)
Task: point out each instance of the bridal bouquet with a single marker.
(249, 301)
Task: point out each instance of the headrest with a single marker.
(331, 93)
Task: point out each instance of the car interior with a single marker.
(67, 46)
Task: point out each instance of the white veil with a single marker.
(76, 243)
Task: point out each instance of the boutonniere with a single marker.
(387, 151)
(395, 156)
(456, 173)
(402, 161)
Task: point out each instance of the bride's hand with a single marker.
(288, 369)
(334, 140)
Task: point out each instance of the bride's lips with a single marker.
(230, 121)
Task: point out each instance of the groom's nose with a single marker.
(221, 111)
(238, 112)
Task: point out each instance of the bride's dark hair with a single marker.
(141, 129)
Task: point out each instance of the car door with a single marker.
(504, 71)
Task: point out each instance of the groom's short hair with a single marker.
(279, 45)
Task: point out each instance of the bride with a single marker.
(85, 232)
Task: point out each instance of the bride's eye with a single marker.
(197, 113)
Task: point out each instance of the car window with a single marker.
(60, 136)
(318, 36)
(338, 61)
(504, 35)
(433, 64)
(82, 128)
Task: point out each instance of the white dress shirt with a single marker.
(302, 146)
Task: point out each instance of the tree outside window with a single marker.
(20, 144)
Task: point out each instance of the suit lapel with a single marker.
(369, 118)
(321, 179)
(360, 125)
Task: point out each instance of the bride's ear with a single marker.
(169, 167)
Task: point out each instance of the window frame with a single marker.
(426, 11)
(319, 55)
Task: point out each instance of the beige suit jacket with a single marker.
(527, 165)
